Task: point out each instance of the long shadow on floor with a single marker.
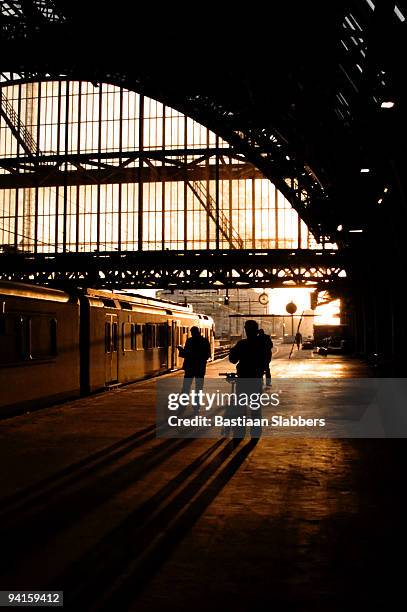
(35, 491)
(135, 550)
(36, 524)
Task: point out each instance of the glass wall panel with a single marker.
(95, 202)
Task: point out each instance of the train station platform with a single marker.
(94, 504)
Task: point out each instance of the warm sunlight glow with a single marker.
(279, 298)
(328, 314)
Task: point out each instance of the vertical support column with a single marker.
(231, 204)
(276, 214)
(364, 323)
(392, 326)
(163, 187)
(65, 167)
(27, 212)
(119, 221)
(186, 187)
(217, 192)
(375, 305)
(78, 150)
(253, 214)
(299, 219)
(207, 218)
(37, 152)
(18, 170)
(58, 153)
(140, 184)
(98, 185)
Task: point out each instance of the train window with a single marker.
(14, 339)
(127, 336)
(108, 303)
(25, 338)
(162, 335)
(115, 337)
(153, 330)
(149, 336)
(108, 339)
(42, 337)
(139, 337)
(133, 337)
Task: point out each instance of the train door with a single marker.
(111, 348)
(175, 336)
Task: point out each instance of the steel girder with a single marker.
(118, 167)
(180, 269)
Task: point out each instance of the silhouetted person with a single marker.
(298, 340)
(196, 353)
(268, 350)
(249, 355)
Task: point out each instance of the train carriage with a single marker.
(39, 346)
(56, 344)
(129, 337)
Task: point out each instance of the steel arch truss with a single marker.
(264, 147)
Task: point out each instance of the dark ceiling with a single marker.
(297, 88)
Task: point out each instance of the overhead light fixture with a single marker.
(387, 104)
(287, 157)
(380, 200)
(399, 13)
(364, 170)
(385, 190)
(356, 231)
(339, 228)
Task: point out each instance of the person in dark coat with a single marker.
(250, 356)
(298, 339)
(196, 353)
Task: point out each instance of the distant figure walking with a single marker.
(298, 340)
(249, 355)
(268, 351)
(196, 353)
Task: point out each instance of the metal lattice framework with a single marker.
(174, 183)
(201, 269)
(308, 124)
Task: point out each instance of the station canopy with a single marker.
(309, 90)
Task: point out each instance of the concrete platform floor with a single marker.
(92, 503)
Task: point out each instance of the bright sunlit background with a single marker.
(327, 314)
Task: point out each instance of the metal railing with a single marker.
(217, 215)
(20, 131)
